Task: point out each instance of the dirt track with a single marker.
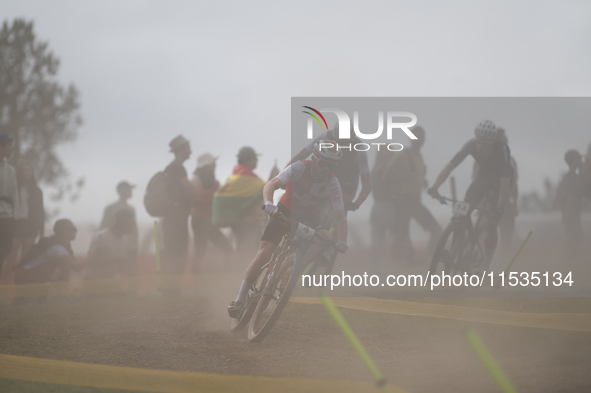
(420, 354)
(417, 353)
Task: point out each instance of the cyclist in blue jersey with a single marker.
(493, 181)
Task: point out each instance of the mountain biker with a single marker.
(308, 184)
(352, 166)
(492, 183)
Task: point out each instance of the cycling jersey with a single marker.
(486, 183)
(352, 165)
(497, 164)
(302, 195)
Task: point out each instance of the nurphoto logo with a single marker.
(344, 127)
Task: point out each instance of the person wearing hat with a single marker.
(175, 223)
(124, 190)
(206, 185)
(238, 203)
(9, 199)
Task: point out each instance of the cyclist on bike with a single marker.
(493, 182)
(308, 184)
(352, 166)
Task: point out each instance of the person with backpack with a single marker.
(9, 200)
(169, 195)
(406, 172)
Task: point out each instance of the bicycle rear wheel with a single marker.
(272, 301)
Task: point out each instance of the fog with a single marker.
(223, 74)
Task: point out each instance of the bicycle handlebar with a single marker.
(287, 220)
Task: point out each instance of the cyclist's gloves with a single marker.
(270, 208)
(341, 247)
(351, 206)
(433, 193)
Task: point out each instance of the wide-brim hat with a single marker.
(206, 159)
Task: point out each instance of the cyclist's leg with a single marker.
(480, 189)
(272, 235)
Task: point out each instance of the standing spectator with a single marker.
(175, 223)
(31, 217)
(238, 203)
(406, 170)
(569, 198)
(206, 185)
(125, 190)
(382, 212)
(9, 201)
(108, 248)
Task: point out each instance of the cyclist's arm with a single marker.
(341, 225)
(443, 175)
(455, 161)
(270, 188)
(291, 173)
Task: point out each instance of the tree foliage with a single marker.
(37, 110)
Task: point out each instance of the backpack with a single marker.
(157, 199)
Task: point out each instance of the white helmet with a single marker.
(326, 150)
(486, 130)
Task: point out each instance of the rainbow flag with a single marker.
(233, 200)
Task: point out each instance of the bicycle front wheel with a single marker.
(237, 324)
(448, 250)
(272, 301)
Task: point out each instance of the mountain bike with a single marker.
(460, 247)
(273, 288)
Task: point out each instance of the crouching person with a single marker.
(50, 260)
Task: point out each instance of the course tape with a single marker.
(146, 380)
(557, 321)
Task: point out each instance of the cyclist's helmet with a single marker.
(325, 152)
(486, 131)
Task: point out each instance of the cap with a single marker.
(124, 184)
(572, 156)
(206, 159)
(5, 138)
(177, 142)
(247, 152)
